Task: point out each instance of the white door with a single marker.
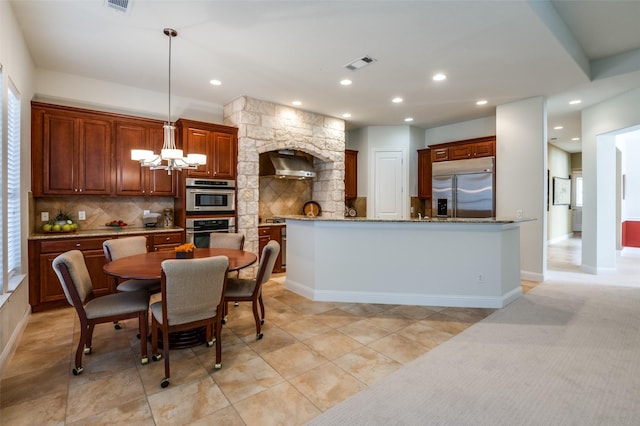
(576, 201)
(388, 189)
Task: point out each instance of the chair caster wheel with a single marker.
(217, 366)
(78, 371)
(117, 326)
(236, 304)
(164, 383)
(259, 336)
(262, 322)
(156, 357)
(138, 336)
(87, 350)
(211, 342)
(224, 320)
(144, 360)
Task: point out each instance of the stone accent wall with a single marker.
(265, 126)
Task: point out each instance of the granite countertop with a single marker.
(499, 220)
(102, 232)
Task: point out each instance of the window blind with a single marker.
(14, 249)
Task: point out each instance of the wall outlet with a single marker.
(82, 215)
(44, 216)
(145, 212)
(519, 214)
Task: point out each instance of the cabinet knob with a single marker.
(77, 244)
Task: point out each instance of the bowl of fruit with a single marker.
(116, 223)
(63, 222)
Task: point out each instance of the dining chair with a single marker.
(228, 240)
(250, 290)
(71, 269)
(118, 248)
(192, 297)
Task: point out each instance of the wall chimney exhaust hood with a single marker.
(286, 165)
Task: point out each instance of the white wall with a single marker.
(17, 68)
(559, 217)
(460, 131)
(73, 90)
(629, 145)
(521, 150)
(600, 123)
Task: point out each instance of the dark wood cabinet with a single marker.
(45, 290)
(472, 150)
(71, 152)
(424, 173)
(131, 179)
(217, 142)
(439, 154)
(350, 174)
(166, 241)
(460, 150)
(267, 233)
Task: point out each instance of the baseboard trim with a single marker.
(404, 298)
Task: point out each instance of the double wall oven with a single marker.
(210, 208)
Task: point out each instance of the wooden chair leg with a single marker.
(143, 326)
(261, 308)
(218, 332)
(81, 345)
(254, 306)
(165, 353)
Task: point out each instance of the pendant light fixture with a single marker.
(173, 156)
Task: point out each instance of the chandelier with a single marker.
(173, 156)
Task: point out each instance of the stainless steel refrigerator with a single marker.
(463, 188)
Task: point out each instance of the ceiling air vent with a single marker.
(356, 64)
(123, 6)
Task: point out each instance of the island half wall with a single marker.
(462, 263)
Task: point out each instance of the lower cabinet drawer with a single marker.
(58, 246)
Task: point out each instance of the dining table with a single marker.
(148, 266)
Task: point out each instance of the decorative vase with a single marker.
(184, 255)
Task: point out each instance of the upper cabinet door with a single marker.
(75, 154)
(130, 177)
(58, 136)
(94, 162)
(198, 142)
(224, 156)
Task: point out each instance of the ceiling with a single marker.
(280, 51)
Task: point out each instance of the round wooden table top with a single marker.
(147, 266)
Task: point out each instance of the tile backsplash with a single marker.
(100, 210)
(282, 196)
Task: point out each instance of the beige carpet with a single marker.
(560, 355)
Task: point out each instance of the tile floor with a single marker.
(313, 356)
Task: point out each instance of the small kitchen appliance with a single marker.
(210, 196)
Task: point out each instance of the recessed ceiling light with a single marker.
(397, 100)
(346, 115)
(558, 128)
(575, 139)
(481, 102)
(346, 82)
(215, 82)
(408, 119)
(439, 77)
(575, 102)
(296, 103)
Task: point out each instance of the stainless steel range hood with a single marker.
(287, 165)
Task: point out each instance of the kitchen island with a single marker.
(428, 262)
